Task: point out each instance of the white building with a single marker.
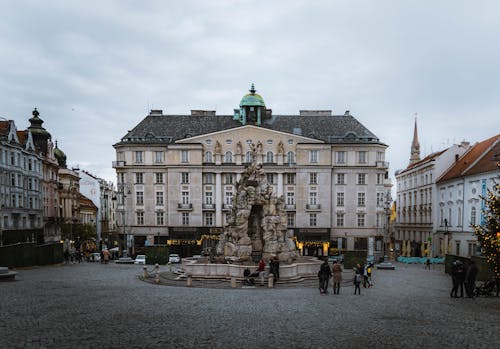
(417, 199)
(177, 175)
(459, 192)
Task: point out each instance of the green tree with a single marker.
(488, 233)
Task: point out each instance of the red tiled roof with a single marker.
(424, 160)
(4, 126)
(22, 135)
(85, 202)
(477, 152)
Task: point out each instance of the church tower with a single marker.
(415, 146)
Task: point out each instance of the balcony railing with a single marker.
(227, 207)
(383, 164)
(209, 207)
(290, 207)
(118, 164)
(311, 207)
(184, 207)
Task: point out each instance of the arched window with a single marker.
(473, 216)
(208, 156)
(228, 157)
(291, 157)
(248, 156)
(269, 156)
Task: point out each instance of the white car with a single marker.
(140, 259)
(174, 258)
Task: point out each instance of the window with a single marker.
(139, 178)
(473, 216)
(159, 156)
(380, 199)
(340, 199)
(209, 219)
(340, 178)
(184, 177)
(159, 198)
(248, 157)
(340, 219)
(313, 178)
(208, 156)
(361, 178)
(228, 157)
(290, 219)
(159, 178)
(312, 219)
(208, 198)
(459, 223)
(229, 198)
(139, 156)
(159, 218)
(313, 198)
(290, 178)
(290, 198)
(341, 157)
(361, 219)
(208, 178)
(380, 156)
(361, 157)
(361, 199)
(139, 198)
(457, 248)
(184, 156)
(140, 218)
(290, 158)
(185, 197)
(228, 178)
(313, 156)
(269, 156)
(380, 178)
(185, 218)
(270, 178)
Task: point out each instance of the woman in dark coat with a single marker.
(324, 275)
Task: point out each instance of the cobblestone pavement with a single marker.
(107, 306)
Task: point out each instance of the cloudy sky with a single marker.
(95, 68)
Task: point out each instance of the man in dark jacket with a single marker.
(470, 279)
(454, 272)
(324, 275)
(461, 277)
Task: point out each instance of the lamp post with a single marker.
(446, 237)
(121, 202)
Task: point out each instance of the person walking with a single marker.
(357, 279)
(337, 277)
(274, 268)
(428, 264)
(470, 279)
(324, 275)
(461, 277)
(454, 271)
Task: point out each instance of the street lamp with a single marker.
(121, 201)
(446, 237)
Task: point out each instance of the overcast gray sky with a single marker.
(95, 68)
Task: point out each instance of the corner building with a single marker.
(177, 176)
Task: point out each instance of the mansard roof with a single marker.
(159, 128)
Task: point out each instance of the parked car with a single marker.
(95, 257)
(140, 259)
(174, 258)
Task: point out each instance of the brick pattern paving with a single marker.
(108, 306)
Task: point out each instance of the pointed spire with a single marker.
(252, 89)
(415, 145)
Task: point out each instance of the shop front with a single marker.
(313, 242)
(186, 242)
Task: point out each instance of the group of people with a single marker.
(462, 275)
(362, 275)
(274, 268)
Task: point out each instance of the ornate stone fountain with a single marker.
(257, 225)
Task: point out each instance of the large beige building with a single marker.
(177, 176)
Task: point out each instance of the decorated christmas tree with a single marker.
(488, 233)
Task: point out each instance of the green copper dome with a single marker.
(60, 156)
(252, 99)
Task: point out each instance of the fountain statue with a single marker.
(257, 223)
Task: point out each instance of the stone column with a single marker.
(280, 184)
(218, 200)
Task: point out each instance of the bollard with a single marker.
(233, 282)
(270, 281)
(189, 281)
(145, 272)
(157, 273)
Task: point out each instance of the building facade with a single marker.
(177, 176)
(460, 190)
(416, 199)
(21, 175)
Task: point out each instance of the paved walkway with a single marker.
(108, 306)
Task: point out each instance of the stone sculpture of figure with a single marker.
(238, 148)
(218, 147)
(259, 147)
(281, 148)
